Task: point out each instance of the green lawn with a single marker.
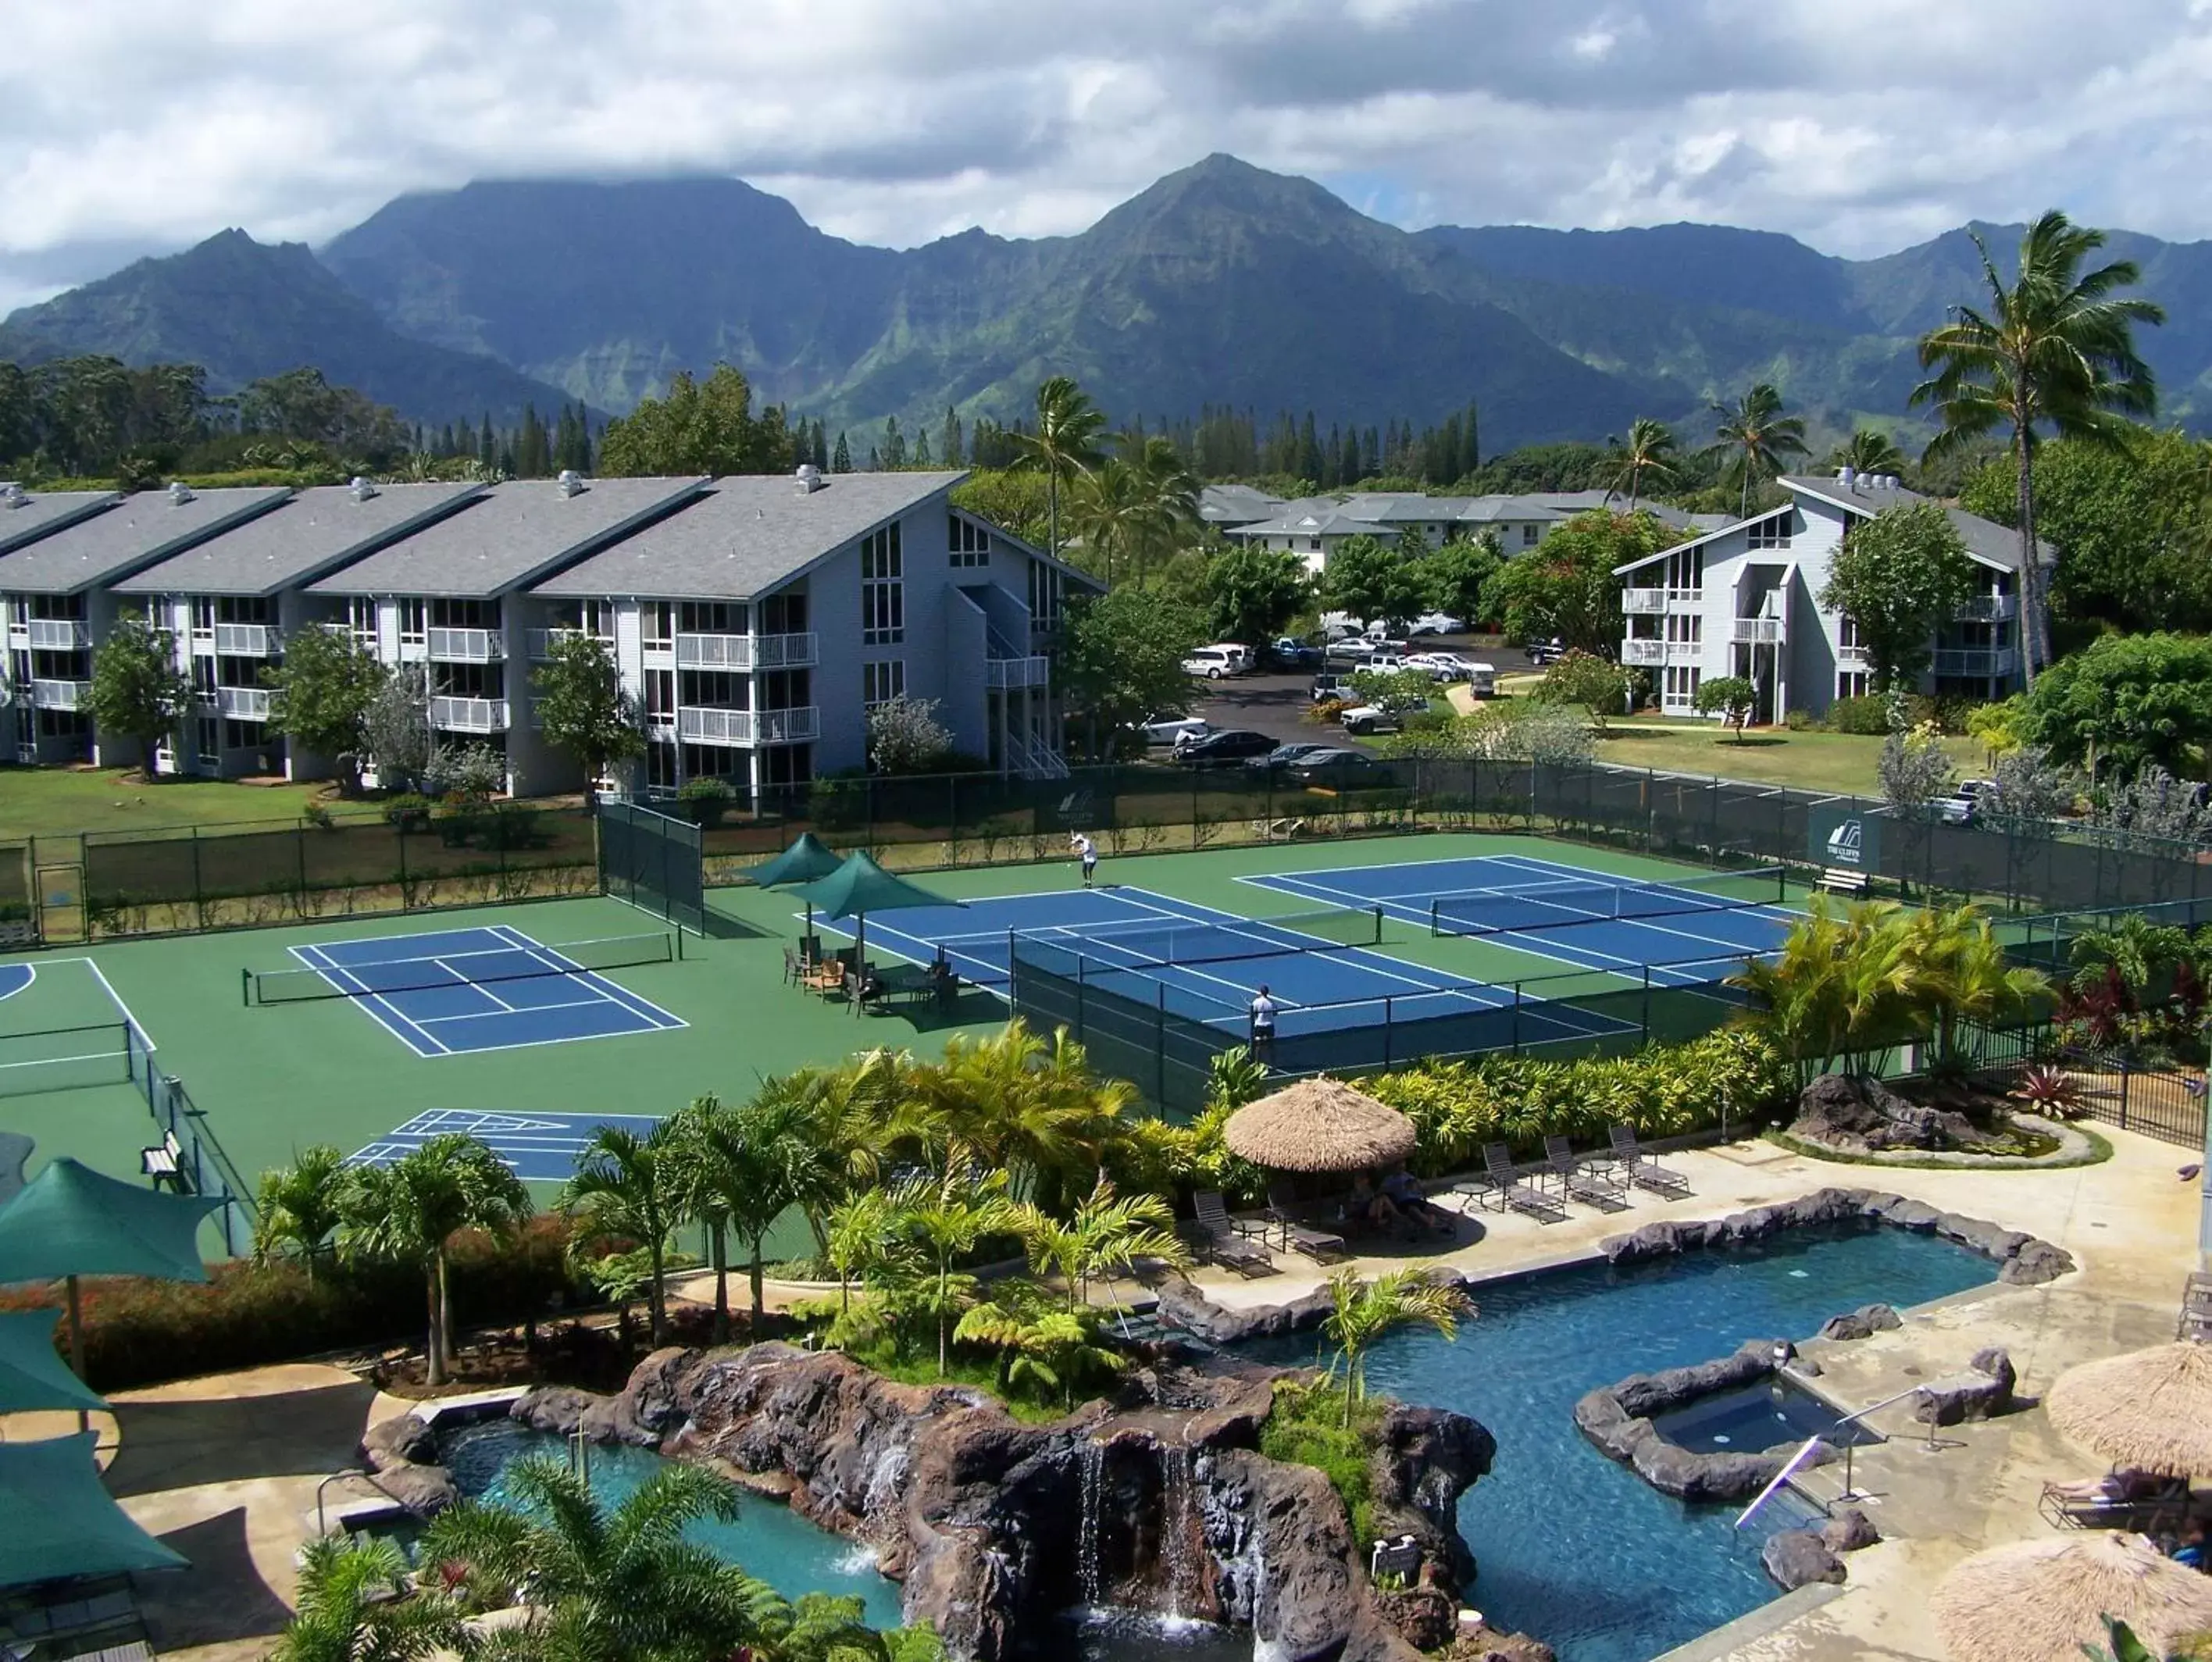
(52, 802)
(1814, 761)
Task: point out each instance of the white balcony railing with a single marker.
(1650, 602)
(1977, 661)
(244, 640)
(1989, 609)
(1755, 631)
(242, 703)
(466, 645)
(1642, 651)
(539, 642)
(709, 724)
(59, 694)
(469, 715)
(1010, 674)
(746, 651)
(1852, 658)
(58, 634)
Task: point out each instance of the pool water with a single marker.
(768, 1540)
(1755, 1417)
(1572, 1548)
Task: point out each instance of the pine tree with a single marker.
(948, 441)
(487, 444)
(1309, 451)
(533, 453)
(841, 462)
(921, 448)
(1470, 435)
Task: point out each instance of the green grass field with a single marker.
(271, 1080)
(1843, 762)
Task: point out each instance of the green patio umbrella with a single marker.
(859, 887)
(808, 860)
(70, 1222)
(32, 1376)
(79, 1530)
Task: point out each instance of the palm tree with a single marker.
(1965, 974)
(301, 1206)
(1363, 1313)
(1169, 490)
(607, 1583)
(745, 1165)
(411, 1210)
(1031, 1107)
(1108, 509)
(949, 1218)
(1065, 444)
(1756, 438)
(1105, 1236)
(862, 1236)
(2055, 350)
(1868, 451)
(1649, 448)
(633, 1188)
(354, 1606)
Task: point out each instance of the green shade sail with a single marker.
(806, 861)
(79, 1530)
(71, 1220)
(859, 886)
(32, 1376)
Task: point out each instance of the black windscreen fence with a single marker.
(654, 861)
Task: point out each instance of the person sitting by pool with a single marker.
(1368, 1207)
(1403, 1191)
(2190, 1550)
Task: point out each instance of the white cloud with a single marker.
(132, 126)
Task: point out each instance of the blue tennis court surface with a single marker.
(453, 991)
(1319, 989)
(1564, 907)
(541, 1148)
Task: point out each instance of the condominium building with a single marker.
(231, 601)
(58, 594)
(1744, 601)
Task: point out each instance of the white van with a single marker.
(1214, 662)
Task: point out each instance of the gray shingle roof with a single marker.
(127, 537)
(1985, 539)
(1327, 522)
(1236, 504)
(27, 516)
(747, 535)
(509, 538)
(1490, 510)
(314, 532)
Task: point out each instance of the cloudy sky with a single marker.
(139, 126)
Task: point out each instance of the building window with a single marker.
(883, 681)
(1773, 531)
(414, 623)
(784, 613)
(714, 617)
(1528, 535)
(243, 736)
(656, 621)
(203, 617)
(207, 732)
(1853, 683)
(970, 544)
(883, 589)
(1680, 687)
(1045, 592)
(1685, 628)
(361, 619)
(659, 697)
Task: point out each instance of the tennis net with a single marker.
(1559, 904)
(1201, 941)
(479, 966)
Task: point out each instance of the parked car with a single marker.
(1444, 666)
(1223, 747)
(1347, 650)
(1174, 730)
(1288, 653)
(1364, 718)
(1329, 684)
(1286, 756)
(1435, 623)
(1340, 769)
(1214, 662)
(1381, 663)
(1541, 653)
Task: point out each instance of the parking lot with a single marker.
(1276, 704)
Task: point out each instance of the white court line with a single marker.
(523, 1009)
(467, 980)
(636, 1003)
(373, 1003)
(50, 1061)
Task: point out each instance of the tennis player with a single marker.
(1263, 1026)
(1087, 852)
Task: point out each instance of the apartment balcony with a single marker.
(747, 652)
(1652, 603)
(244, 640)
(1989, 609)
(60, 695)
(1644, 652)
(745, 729)
(1013, 674)
(1756, 631)
(539, 643)
(1976, 661)
(466, 646)
(241, 703)
(1853, 657)
(469, 715)
(50, 634)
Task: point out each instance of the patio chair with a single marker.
(2196, 1319)
(1642, 1170)
(1223, 1238)
(1583, 1180)
(1514, 1191)
(792, 967)
(1322, 1246)
(2128, 1501)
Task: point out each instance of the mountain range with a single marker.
(1220, 284)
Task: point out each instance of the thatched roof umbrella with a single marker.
(2148, 1410)
(1319, 1126)
(2041, 1601)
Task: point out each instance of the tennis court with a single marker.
(451, 991)
(1202, 963)
(1591, 919)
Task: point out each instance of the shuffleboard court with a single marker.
(539, 1147)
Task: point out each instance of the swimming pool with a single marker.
(768, 1540)
(1572, 1548)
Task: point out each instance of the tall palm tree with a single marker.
(1363, 1313)
(1169, 489)
(1105, 1236)
(411, 1210)
(862, 1235)
(2055, 350)
(1868, 451)
(633, 1187)
(949, 1216)
(746, 1164)
(1065, 445)
(1030, 1106)
(612, 1584)
(1648, 449)
(300, 1206)
(1755, 438)
(354, 1606)
(1964, 974)
(1108, 508)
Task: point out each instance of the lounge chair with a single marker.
(1583, 1180)
(1224, 1238)
(1322, 1246)
(1514, 1191)
(1642, 1170)
(2196, 1321)
(2127, 1501)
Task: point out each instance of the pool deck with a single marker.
(225, 1468)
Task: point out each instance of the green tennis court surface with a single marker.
(271, 1080)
